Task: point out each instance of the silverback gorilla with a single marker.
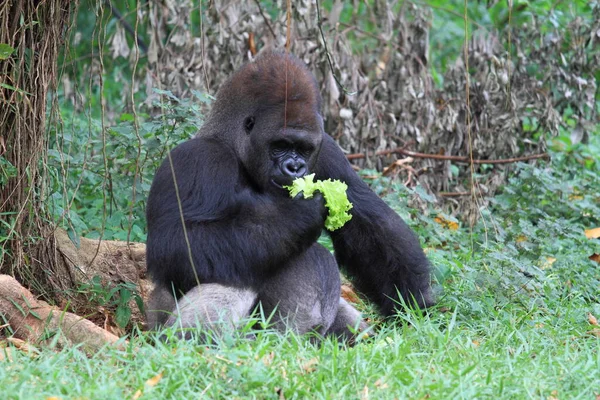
(224, 234)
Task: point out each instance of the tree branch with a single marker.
(458, 159)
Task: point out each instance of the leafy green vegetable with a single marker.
(335, 196)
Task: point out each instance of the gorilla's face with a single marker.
(277, 151)
(269, 112)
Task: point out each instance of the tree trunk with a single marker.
(31, 34)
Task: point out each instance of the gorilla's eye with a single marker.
(249, 124)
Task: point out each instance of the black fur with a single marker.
(244, 230)
(380, 253)
(238, 235)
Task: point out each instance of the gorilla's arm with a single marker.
(238, 235)
(378, 250)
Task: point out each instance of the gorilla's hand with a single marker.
(313, 211)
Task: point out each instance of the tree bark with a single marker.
(37, 322)
(34, 31)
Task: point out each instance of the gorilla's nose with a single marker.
(294, 168)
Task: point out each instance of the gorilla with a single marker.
(225, 236)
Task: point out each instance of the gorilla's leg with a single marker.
(348, 322)
(159, 307)
(379, 251)
(305, 296)
(213, 307)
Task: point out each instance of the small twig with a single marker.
(266, 20)
(319, 25)
(127, 26)
(458, 159)
(453, 194)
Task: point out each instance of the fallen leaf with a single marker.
(349, 294)
(595, 257)
(154, 380)
(592, 233)
(592, 320)
(22, 345)
(548, 263)
(380, 385)
(365, 393)
(595, 332)
(310, 365)
(446, 223)
(268, 358)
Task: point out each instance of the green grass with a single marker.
(508, 352)
(509, 323)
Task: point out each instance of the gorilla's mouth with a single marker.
(281, 181)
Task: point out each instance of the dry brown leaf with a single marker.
(446, 223)
(349, 294)
(379, 384)
(592, 233)
(268, 358)
(309, 366)
(592, 320)
(595, 257)
(364, 395)
(548, 262)
(595, 332)
(23, 346)
(154, 380)
(137, 395)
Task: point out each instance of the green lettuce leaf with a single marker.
(333, 191)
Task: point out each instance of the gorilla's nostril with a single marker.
(294, 168)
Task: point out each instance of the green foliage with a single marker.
(101, 182)
(116, 297)
(7, 171)
(5, 51)
(448, 27)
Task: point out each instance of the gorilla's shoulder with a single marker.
(201, 149)
(198, 161)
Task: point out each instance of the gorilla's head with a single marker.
(269, 113)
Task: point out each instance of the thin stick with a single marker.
(266, 20)
(458, 159)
